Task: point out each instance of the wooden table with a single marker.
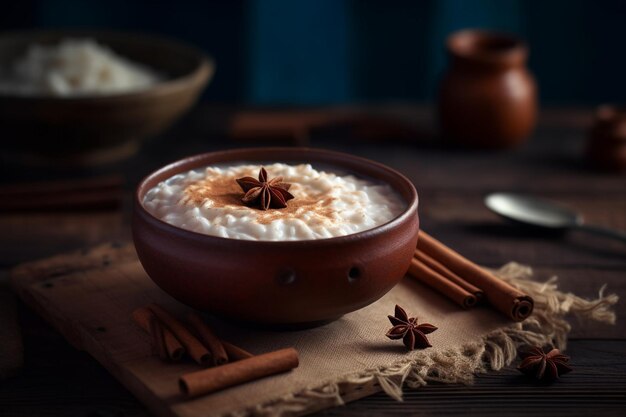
(59, 381)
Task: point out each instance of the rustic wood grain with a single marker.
(593, 389)
(91, 306)
(58, 380)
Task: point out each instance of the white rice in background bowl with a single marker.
(73, 67)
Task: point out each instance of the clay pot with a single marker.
(606, 143)
(487, 99)
(278, 283)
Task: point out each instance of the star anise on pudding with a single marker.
(412, 334)
(265, 193)
(544, 366)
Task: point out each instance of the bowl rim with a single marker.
(401, 218)
(198, 75)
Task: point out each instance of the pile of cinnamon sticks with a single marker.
(172, 340)
(464, 282)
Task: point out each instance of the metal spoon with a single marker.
(532, 211)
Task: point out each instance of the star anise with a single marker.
(544, 366)
(412, 334)
(273, 193)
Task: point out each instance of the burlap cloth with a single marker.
(351, 357)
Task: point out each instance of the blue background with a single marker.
(338, 51)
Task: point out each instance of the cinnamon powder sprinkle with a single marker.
(223, 191)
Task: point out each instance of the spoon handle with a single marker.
(603, 231)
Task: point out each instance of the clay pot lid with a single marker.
(487, 47)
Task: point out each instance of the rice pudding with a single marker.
(74, 67)
(325, 204)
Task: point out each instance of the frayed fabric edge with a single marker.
(546, 326)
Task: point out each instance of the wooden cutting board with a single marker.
(89, 296)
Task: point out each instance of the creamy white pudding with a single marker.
(74, 67)
(325, 204)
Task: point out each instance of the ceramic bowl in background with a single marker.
(100, 128)
(278, 283)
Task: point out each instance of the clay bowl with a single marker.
(296, 283)
(93, 129)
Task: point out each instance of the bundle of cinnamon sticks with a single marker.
(172, 339)
(464, 282)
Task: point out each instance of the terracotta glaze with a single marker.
(487, 99)
(278, 283)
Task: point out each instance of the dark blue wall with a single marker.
(337, 51)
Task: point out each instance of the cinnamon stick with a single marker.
(438, 267)
(235, 353)
(142, 316)
(87, 193)
(196, 350)
(236, 373)
(441, 284)
(62, 185)
(158, 339)
(209, 339)
(83, 200)
(501, 295)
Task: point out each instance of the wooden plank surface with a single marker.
(89, 296)
(58, 381)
